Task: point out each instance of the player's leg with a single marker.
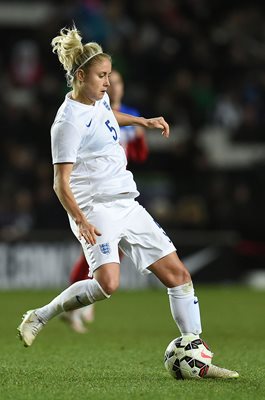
(102, 256)
(78, 295)
(151, 250)
(184, 304)
(104, 217)
(84, 292)
(78, 319)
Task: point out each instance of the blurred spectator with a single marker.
(25, 68)
(228, 111)
(20, 220)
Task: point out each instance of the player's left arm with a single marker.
(150, 123)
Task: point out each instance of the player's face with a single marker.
(116, 88)
(96, 80)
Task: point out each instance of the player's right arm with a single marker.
(65, 141)
(64, 193)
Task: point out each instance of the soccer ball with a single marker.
(187, 359)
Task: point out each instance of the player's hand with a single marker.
(159, 123)
(89, 232)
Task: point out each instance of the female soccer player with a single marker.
(132, 138)
(98, 193)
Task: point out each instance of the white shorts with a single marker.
(124, 224)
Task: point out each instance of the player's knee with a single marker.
(185, 275)
(110, 285)
(108, 276)
(177, 278)
(178, 275)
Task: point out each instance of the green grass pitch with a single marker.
(122, 356)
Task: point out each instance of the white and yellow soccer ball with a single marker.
(187, 358)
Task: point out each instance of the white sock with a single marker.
(78, 295)
(185, 309)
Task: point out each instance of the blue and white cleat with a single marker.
(30, 326)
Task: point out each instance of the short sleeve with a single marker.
(65, 142)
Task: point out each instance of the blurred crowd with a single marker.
(199, 63)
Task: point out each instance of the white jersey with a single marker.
(88, 136)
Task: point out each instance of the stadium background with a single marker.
(200, 64)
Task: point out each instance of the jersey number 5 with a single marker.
(111, 129)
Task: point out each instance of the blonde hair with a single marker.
(73, 54)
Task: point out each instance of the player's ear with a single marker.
(80, 74)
